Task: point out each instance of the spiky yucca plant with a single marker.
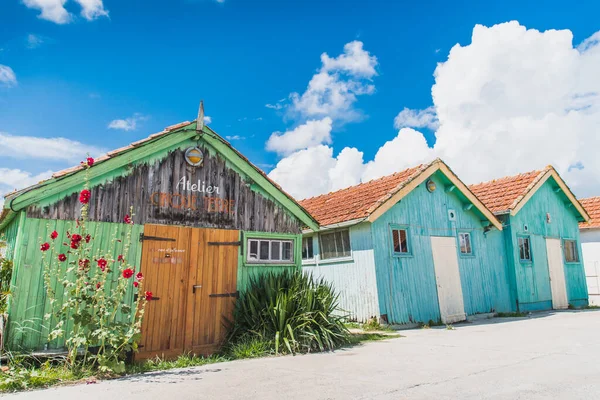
(291, 310)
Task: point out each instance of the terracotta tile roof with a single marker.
(504, 194)
(358, 201)
(592, 206)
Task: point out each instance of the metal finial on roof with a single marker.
(200, 120)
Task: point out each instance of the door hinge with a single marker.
(156, 238)
(238, 243)
(234, 294)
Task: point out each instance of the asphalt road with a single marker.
(547, 356)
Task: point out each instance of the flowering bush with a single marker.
(93, 309)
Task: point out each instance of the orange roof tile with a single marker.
(592, 206)
(358, 201)
(504, 194)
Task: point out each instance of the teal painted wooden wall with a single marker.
(532, 280)
(406, 284)
(27, 328)
(10, 235)
(354, 278)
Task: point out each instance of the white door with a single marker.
(556, 268)
(591, 261)
(447, 276)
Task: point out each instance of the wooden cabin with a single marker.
(541, 219)
(206, 220)
(590, 247)
(413, 247)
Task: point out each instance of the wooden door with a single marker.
(556, 269)
(165, 265)
(447, 276)
(212, 287)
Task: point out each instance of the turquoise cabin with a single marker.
(413, 247)
(541, 217)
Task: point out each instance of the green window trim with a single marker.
(571, 255)
(296, 248)
(468, 244)
(400, 240)
(524, 250)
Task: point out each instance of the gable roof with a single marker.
(592, 206)
(69, 177)
(369, 200)
(509, 194)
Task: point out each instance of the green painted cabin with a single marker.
(205, 221)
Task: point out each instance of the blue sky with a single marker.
(152, 63)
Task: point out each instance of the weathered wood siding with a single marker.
(532, 280)
(407, 284)
(10, 236)
(27, 328)
(155, 191)
(353, 279)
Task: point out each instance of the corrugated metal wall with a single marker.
(407, 284)
(355, 279)
(27, 329)
(533, 279)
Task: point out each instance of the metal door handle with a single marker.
(194, 287)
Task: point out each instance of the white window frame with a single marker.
(334, 259)
(260, 261)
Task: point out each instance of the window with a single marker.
(307, 248)
(524, 249)
(571, 252)
(335, 244)
(270, 251)
(400, 240)
(465, 243)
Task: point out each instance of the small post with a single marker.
(200, 120)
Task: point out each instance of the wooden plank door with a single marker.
(165, 265)
(447, 276)
(556, 269)
(212, 287)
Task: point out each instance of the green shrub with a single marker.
(5, 277)
(291, 311)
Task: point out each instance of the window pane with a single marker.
(345, 243)
(335, 244)
(403, 241)
(571, 254)
(264, 250)
(465, 243)
(253, 253)
(287, 251)
(307, 248)
(275, 250)
(524, 249)
(327, 245)
(396, 238)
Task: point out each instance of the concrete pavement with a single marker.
(548, 356)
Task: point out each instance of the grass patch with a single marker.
(359, 338)
(591, 308)
(511, 315)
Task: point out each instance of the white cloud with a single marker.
(92, 9)
(408, 118)
(7, 76)
(51, 10)
(235, 137)
(333, 90)
(34, 41)
(309, 134)
(129, 124)
(60, 149)
(513, 100)
(11, 179)
(55, 11)
(277, 106)
(207, 119)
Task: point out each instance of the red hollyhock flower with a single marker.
(88, 238)
(84, 196)
(62, 258)
(102, 264)
(120, 258)
(74, 245)
(127, 273)
(90, 161)
(148, 296)
(135, 284)
(127, 219)
(98, 285)
(45, 247)
(85, 263)
(76, 238)
(139, 276)
(53, 235)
